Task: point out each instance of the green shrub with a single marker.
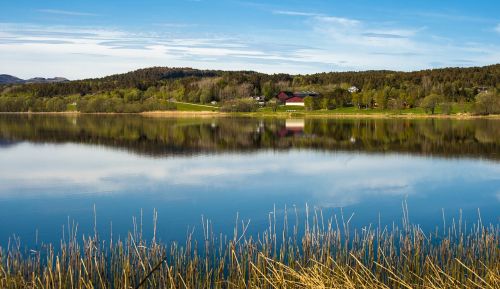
(446, 108)
(487, 103)
(395, 104)
(311, 103)
(239, 105)
(430, 102)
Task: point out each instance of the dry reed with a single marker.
(326, 253)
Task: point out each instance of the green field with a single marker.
(185, 106)
(456, 108)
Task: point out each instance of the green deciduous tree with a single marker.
(487, 103)
(395, 104)
(430, 102)
(311, 103)
(273, 103)
(446, 107)
(308, 103)
(328, 103)
(368, 96)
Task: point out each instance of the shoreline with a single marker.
(274, 114)
(369, 115)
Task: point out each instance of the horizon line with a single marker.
(255, 71)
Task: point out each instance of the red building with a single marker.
(284, 95)
(295, 98)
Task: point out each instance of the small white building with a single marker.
(297, 101)
(353, 89)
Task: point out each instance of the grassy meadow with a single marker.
(315, 252)
(185, 106)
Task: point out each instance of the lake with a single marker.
(55, 169)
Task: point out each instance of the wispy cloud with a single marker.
(319, 16)
(348, 29)
(327, 43)
(350, 44)
(347, 32)
(497, 29)
(383, 35)
(120, 50)
(337, 20)
(449, 16)
(295, 13)
(66, 12)
(175, 25)
(34, 41)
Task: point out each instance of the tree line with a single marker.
(154, 88)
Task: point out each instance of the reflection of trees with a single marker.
(167, 136)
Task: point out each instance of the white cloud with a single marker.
(337, 20)
(175, 25)
(118, 51)
(65, 12)
(294, 13)
(327, 43)
(360, 34)
(320, 17)
(497, 29)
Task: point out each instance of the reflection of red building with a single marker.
(293, 127)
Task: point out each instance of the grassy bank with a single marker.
(318, 252)
(186, 106)
(277, 114)
(185, 109)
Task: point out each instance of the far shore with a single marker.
(301, 114)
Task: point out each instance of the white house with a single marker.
(353, 89)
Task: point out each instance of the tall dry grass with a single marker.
(325, 253)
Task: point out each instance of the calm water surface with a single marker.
(54, 169)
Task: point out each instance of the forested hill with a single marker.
(153, 88)
(142, 79)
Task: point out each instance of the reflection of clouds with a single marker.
(350, 178)
(203, 175)
(100, 169)
(351, 192)
(338, 179)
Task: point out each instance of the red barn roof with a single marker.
(288, 96)
(295, 99)
(284, 95)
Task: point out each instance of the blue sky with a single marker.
(80, 39)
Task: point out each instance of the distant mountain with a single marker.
(46, 80)
(9, 79)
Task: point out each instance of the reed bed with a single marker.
(318, 252)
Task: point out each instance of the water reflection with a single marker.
(55, 167)
(160, 136)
